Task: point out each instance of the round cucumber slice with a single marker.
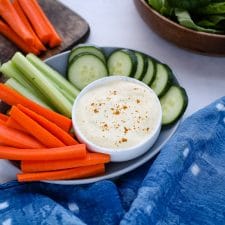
(163, 79)
(86, 68)
(86, 49)
(173, 103)
(142, 64)
(122, 62)
(150, 73)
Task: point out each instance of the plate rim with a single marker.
(114, 175)
(119, 173)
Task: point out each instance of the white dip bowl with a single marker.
(117, 115)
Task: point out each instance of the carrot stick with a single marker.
(37, 22)
(17, 139)
(75, 173)
(12, 36)
(37, 43)
(12, 97)
(44, 165)
(9, 14)
(2, 122)
(33, 128)
(48, 125)
(11, 123)
(42, 153)
(55, 39)
(3, 117)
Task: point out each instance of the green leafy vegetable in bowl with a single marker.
(201, 15)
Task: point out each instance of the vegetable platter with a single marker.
(184, 28)
(36, 130)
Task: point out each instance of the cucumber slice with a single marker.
(86, 49)
(173, 103)
(84, 69)
(150, 74)
(122, 62)
(163, 79)
(142, 65)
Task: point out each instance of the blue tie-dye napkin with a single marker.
(185, 185)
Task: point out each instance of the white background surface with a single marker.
(117, 23)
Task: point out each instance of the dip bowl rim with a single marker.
(120, 154)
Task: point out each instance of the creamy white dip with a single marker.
(118, 114)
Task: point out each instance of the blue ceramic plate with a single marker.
(113, 170)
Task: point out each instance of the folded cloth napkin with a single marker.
(185, 185)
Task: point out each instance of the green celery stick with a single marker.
(39, 80)
(17, 86)
(64, 85)
(53, 75)
(11, 71)
(69, 97)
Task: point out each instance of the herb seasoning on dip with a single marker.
(117, 114)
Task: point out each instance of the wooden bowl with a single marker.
(183, 37)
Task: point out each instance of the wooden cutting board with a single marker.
(72, 28)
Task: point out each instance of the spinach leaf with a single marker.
(213, 21)
(161, 6)
(185, 20)
(213, 8)
(188, 4)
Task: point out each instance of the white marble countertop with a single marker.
(117, 23)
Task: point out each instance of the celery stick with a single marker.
(69, 97)
(49, 72)
(10, 71)
(39, 80)
(14, 84)
(53, 75)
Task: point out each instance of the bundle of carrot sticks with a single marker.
(24, 23)
(42, 141)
